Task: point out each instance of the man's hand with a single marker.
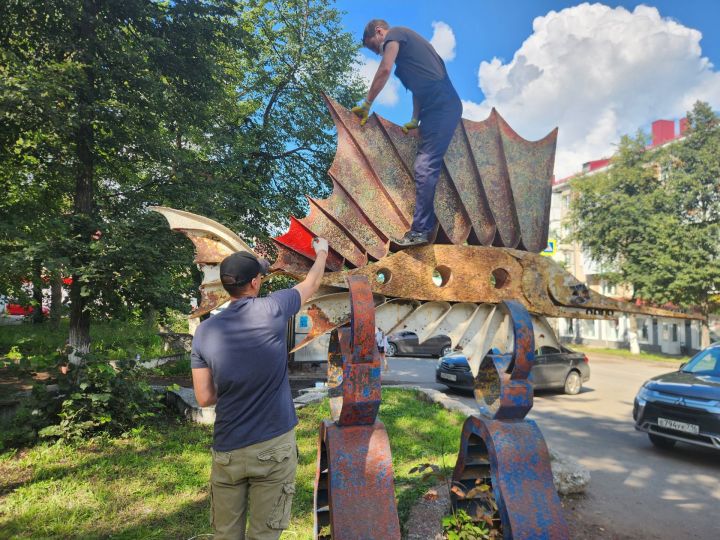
(412, 124)
(320, 244)
(362, 111)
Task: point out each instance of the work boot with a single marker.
(412, 239)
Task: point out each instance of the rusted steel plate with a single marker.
(449, 209)
(351, 170)
(321, 225)
(523, 340)
(360, 383)
(513, 460)
(465, 177)
(341, 208)
(466, 273)
(530, 168)
(326, 313)
(381, 158)
(486, 145)
(355, 479)
(362, 320)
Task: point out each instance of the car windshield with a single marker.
(706, 362)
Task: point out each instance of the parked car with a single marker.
(683, 405)
(554, 368)
(406, 344)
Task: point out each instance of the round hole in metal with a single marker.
(441, 276)
(499, 278)
(383, 276)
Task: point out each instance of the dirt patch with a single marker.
(11, 383)
(424, 522)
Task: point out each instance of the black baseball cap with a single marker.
(241, 267)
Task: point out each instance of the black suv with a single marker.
(683, 405)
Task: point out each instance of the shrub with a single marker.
(95, 397)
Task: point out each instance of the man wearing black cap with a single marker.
(239, 364)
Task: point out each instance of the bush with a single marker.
(96, 397)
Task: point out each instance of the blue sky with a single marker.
(596, 71)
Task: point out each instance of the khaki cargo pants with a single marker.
(259, 480)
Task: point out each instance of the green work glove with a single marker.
(362, 111)
(412, 124)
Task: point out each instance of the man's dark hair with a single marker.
(234, 289)
(372, 25)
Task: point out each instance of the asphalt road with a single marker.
(637, 491)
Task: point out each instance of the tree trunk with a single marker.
(83, 212)
(633, 334)
(705, 332)
(37, 314)
(55, 299)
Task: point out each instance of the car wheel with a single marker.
(391, 349)
(573, 383)
(446, 350)
(661, 442)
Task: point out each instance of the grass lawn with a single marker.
(115, 340)
(153, 482)
(627, 354)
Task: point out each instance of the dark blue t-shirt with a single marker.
(245, 347)
(417, 62)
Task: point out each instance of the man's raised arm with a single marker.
(310, 285)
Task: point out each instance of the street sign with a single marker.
(551, 248)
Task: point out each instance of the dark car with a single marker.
(683, 405)
(554, 368)
(406, 344)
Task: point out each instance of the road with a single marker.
(637, 491)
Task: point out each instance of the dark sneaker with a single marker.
(411, 239)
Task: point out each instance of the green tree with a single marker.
(109, 107)
(653, 217)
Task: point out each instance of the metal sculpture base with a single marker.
(354, 488)
(503, 467)
(512, 459)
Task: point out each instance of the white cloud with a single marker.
(443, 40)
(366, 68)
(597, 73)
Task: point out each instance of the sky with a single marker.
(595, 70)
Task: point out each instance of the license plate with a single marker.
(679, 426)
(448, 376)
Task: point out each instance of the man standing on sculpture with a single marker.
(239, 364)
(436, 111)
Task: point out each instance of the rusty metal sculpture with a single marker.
(354, 464)
(503, 467)
(476, 285)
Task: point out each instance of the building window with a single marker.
(609, 289)
(644, 332)
(569, 325)
(587, 328)
(566, 201)
(674, 332)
